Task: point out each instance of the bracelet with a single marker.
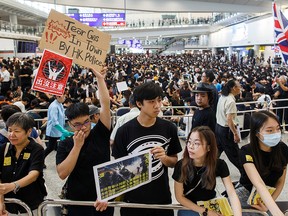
(205, 213)
(17, 187)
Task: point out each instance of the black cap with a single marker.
(202, 87)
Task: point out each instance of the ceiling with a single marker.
(177, 6)
(25, 14)
(32, 17)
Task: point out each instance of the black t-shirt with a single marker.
(96, 150)
(13, 169)
(272, 177)
(283, 95)
(205, 117)
(199, 193)
(132, 138)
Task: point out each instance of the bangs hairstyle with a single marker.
(77, 110)
(277, 163)
(187, 170)
(147, 91)
(22, 120)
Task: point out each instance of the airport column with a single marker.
(230, 52)
(256, 50)
(214, 51)
(13, 22)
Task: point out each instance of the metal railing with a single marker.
(41, 208)
(19, 202)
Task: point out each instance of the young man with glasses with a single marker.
(77, 155)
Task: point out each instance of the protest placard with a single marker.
(117, 177)
(52, 73)
(86, 45)
(122, 86)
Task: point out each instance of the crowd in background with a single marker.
(177, 75)
(185, 80)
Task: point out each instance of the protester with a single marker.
(22, 163)
(263, 162)
(204, 115)
(195, 174)
(226, 127)
(147, 131)
(77, 155)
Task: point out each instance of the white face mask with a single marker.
(271, 140)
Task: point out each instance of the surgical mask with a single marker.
(271, 140)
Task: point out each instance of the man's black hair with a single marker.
(147, 91)
(77, 110)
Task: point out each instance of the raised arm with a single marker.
(105, 115)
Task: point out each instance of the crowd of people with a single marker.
(198, 92)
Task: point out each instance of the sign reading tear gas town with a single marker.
(86, 45)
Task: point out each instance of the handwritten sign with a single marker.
(53, 73)
(86, 45)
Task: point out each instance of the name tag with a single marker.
(26, 156)
(7, 161)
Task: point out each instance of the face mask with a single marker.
(271, 140)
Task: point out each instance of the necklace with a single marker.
(198, 170)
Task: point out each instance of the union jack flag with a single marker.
(281, 32)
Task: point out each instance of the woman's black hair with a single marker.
(258, 119)
(226, 89)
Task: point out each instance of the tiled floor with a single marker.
(54, 183)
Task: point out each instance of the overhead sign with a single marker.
(52, 74)
(64, 35)
(100, 19)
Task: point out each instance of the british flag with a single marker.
(281, 31)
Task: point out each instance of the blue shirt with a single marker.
(56, 116)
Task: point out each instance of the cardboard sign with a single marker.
(86, 45)
(52, 73)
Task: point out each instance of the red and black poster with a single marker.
(53, 73)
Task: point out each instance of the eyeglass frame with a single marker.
(195, 146)
(79, 126)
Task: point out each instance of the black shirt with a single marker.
(132, 138)
(205, 117)
(270, 179)
(199, 193)
(13, 169)
(96, 150)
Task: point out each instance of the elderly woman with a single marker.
(21, 166)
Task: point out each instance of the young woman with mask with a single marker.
(195, 174)
(263, 162)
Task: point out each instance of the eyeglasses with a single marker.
(195, 145)
(79, 126)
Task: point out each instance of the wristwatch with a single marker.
(17, 187)
(205, 213)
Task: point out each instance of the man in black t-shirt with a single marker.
(77, 155)
(147, 131)
(204, 116)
